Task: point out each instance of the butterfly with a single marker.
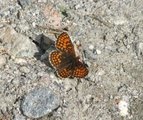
(64, 59)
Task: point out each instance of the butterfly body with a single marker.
(64, 60)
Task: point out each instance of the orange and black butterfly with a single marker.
(64, 59)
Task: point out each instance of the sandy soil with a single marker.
(111, 37)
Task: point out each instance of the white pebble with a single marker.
(140, 47)
(52, 75)
(20, 61)
(101, 72)
(44, 1)
(123, 107)
(34, 24)
(77, 6)
(98, 51)
(24, 69)
(91, 47)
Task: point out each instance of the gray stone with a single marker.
(17, 44)
(39, 102)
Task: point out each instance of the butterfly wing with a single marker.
(55, 58)
(59, 64)
(64, 73)
(64, 44)
(80, 70)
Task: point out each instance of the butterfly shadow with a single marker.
(45, 45)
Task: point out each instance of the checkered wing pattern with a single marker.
(64, 44)
(55, 58)
(80, 70)
(64, 73)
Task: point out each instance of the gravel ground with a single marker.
(110, 33)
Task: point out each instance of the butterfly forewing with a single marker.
(64, 44)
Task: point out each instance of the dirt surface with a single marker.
(111, 35)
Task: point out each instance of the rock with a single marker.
(123, 108)
(91, 47)
(39, 102)
(98, 51)
(17, 44)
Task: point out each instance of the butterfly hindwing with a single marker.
(80, 70)
(55, 58)
(64, 73)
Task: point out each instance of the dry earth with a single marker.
(111, 35)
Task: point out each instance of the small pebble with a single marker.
(20, 61)
(98, 51)
(91, 47)
(52, 76)
(44, 1)
(24, 69)
(101, 72)
(123, 108)
(77, 6)
(34, 24)
(141, 46)
(140, 49)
